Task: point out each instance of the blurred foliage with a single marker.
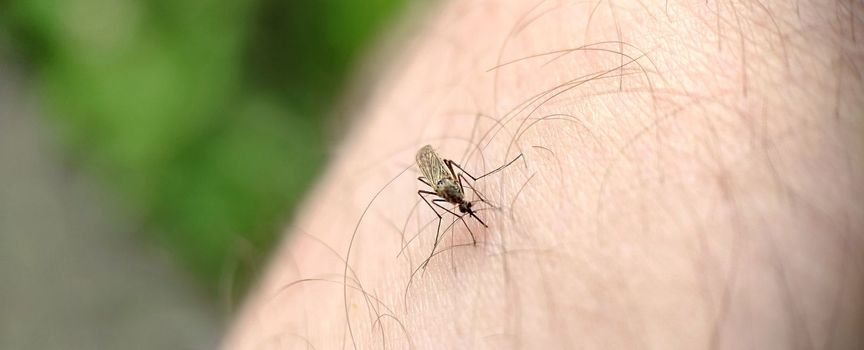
(205, 114)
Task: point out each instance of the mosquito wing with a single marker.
(431, 166)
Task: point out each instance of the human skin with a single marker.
(701, 188)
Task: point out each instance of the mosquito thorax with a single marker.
(449, 190)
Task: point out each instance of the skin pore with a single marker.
(691, 178)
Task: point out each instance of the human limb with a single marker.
(700, 187)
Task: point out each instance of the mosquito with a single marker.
(447, 186)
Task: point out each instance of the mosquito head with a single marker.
(465, 207)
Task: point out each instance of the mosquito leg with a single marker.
(423, 180)
(438, 229)
(451, 163)
(437, 235)
(461, 217)
(479, 195)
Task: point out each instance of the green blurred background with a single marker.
(207, 116)
(206, 119)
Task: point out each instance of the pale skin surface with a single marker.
(707, 195)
